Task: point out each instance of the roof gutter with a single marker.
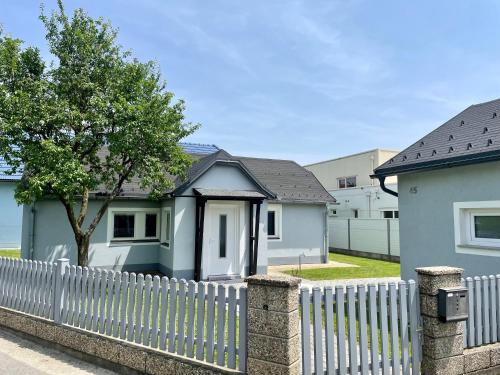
(384, 188)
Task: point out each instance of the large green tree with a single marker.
(90, 120)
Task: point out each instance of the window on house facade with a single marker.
(390, 214)
(274, 221)
(166, 227)
(332, 212)
(151, 221)
(355, 213)
(346, 182)
(222, 236)
(477, 224)
(124, 225)
(133, 224)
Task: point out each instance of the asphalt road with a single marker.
(19, 356)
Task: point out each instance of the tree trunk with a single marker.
(82, 242)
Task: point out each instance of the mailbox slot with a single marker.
(452, 304)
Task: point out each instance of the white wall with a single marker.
(360, 165)
(368, 235)
(368, 200)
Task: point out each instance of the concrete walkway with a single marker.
(19, 356)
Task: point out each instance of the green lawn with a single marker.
(367, 268)
(11, 253)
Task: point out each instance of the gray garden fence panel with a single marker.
(361, 329)
(161, 313)
(483, 300)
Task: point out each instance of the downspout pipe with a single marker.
(384, 188)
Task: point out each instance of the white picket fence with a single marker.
(483, 324)
(197, 320)
(361, 330)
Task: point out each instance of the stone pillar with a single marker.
(273, 325)
(443, 343)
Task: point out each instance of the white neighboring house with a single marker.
(358, 196)
(364, 218)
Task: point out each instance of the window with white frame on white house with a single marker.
(166, 225)
(477, 225)
(274, 221)
(346, 182)
(133, 225)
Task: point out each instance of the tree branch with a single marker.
(83, 207)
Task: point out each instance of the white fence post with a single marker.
(58, 291)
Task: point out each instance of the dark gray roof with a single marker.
(472, 136)
(228, 193)
(289, 181)
(281, 180)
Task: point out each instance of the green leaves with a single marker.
(92, 118)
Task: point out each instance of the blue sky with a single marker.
(305, 80)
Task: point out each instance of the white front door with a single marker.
(221, 243)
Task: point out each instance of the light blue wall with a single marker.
(53, 238)
(426, 217)
(303, 233)
(10, 217)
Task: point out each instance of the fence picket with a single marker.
(317, 330)
(486, 308)
(71, 295)
(124, 286)
(351, 329)
(95, 301)
(221, 322)
(113, 310)
(172, 315)
(305, 320)
(103, 296)
(329, 331)
(231, 328)
(190, 322)
(479, 311)
(382, 298)
(393, 306)
(36, 310)
(341, 347)
(65, 300)
(131, 305)
(22, 285)
(138, 308)
(156, 304)
(493, 309)
(210, 332)
(470, 324)
(83, 301)
(403, 330)
(44, 288)
(89, 299)
(372, 302)
(414, 324)
(497, 285)
(147, 310)
(363, 330)
(200, 325)
(163, 313)
(243, 328)
(181, 317)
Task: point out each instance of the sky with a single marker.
(304, 80)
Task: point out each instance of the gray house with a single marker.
(449, 194)
(231, 217)
(10, 213)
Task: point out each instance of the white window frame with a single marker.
(166, 211)
(278, 221)
(139, 225)
(345, 182)
(466, 241)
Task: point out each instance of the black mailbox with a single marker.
(452, 304)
